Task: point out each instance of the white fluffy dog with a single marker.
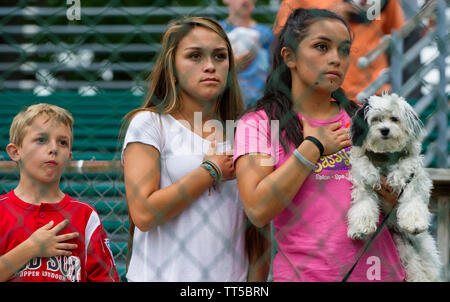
(386, 135)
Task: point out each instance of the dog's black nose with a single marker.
(384, 131)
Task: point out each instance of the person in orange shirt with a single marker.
(367, 35)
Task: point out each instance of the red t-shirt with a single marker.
(91, 261)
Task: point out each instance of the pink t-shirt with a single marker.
(311, 232)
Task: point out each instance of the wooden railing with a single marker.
(440, 205)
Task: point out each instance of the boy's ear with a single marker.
(288, 57)
(13, 152)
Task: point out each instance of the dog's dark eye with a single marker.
(375, 119)
(394, 119)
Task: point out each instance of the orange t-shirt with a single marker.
(366, 38)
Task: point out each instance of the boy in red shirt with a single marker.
(45, 234)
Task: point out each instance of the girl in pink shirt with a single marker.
(292, 163)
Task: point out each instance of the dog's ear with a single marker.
(413, 123)
(359, 126)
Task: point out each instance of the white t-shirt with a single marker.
(206, 242)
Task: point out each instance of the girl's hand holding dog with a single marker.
(332, 137)
(387, 193)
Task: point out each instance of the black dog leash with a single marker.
(376, 232)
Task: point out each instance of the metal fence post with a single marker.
(442, 124)
(441, 95)
(396, 69)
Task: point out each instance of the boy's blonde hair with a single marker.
(26, 117)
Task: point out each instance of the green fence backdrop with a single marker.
(96, 65)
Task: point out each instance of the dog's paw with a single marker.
(413, 228)
(413, 219)
(356, 235)
(396, 179)
(362, 228)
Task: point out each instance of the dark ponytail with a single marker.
(349, 106)
(277, 99)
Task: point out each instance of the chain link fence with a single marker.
(94, 60)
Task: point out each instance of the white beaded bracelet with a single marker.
(304, 160)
